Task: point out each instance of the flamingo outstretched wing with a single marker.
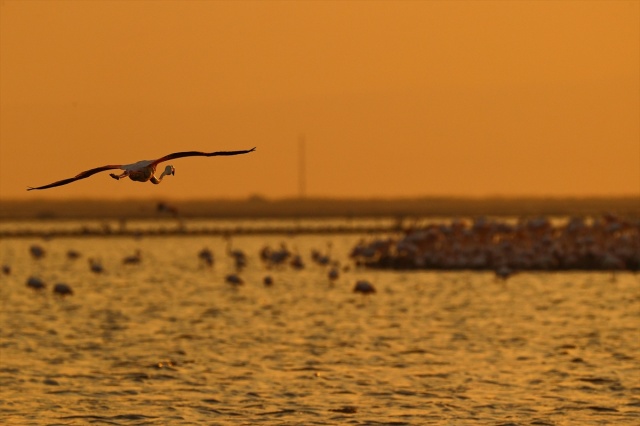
(199, 154)
(82, 175)
(91, 172)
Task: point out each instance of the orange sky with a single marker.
(394, 98)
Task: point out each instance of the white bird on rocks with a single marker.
(142, 171)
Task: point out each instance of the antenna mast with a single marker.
(301, 167)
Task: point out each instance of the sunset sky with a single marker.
(394, 99)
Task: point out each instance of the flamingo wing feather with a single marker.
(79, 176)
(200, 154)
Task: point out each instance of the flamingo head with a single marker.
(169, 170)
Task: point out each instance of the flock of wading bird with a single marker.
(606, 243)
(271, 259)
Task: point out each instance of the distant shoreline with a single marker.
(258, 207)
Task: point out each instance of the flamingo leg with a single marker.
(120, 176)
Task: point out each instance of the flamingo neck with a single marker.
(165, 172)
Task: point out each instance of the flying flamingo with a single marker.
(142, 171)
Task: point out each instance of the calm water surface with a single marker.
(168, 342)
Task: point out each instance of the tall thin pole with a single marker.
(301, 167)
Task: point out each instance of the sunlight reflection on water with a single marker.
(167, 341)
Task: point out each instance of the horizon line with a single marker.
(259, 197)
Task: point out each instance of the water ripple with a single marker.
(170, 342)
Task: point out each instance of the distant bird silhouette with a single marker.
(234, 280)
(206, 256)
(364, 287)
(267, 281)
(37, 252)
(163, 207)
(297, 262)
(503, 272)
(62, 290)
(275, 257)
(239, 257)
(333, 274)
(6, 269)
(322, 259)
(133, 259)
(72, 254)
(36, 284)
(142, 171)
(96, 266)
